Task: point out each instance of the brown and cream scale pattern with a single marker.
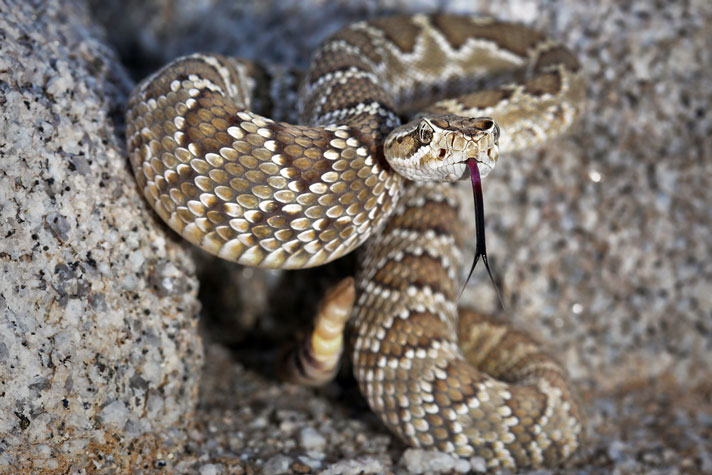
(247, 188)
(273, 194)
(466, 385)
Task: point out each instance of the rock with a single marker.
(617, 450)
(313, 461)
(355, 467)
(91, 341)
(277, 465)
(310, 439)
(210, 469)
(422, 461)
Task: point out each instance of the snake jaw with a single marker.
(485, 159)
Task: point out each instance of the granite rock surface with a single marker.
(99, 349)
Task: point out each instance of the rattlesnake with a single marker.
(273, 194)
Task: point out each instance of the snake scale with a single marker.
(273, 194)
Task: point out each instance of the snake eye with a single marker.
(496, 133)
(425, 132)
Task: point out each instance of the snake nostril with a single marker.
(442, 153)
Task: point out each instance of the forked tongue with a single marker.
(480, 248)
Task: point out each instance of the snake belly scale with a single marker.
(280, 195)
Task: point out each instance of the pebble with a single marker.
(277, 465)
(362, 465)
(310, 439)
(422, 461)
(210, 469)
(312, 463)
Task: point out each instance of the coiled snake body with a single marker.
(278, 195)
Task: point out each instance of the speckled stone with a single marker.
(99, 348)
(424, 461)
(600, 241)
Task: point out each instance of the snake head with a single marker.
(437, 147)
(449, 148)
